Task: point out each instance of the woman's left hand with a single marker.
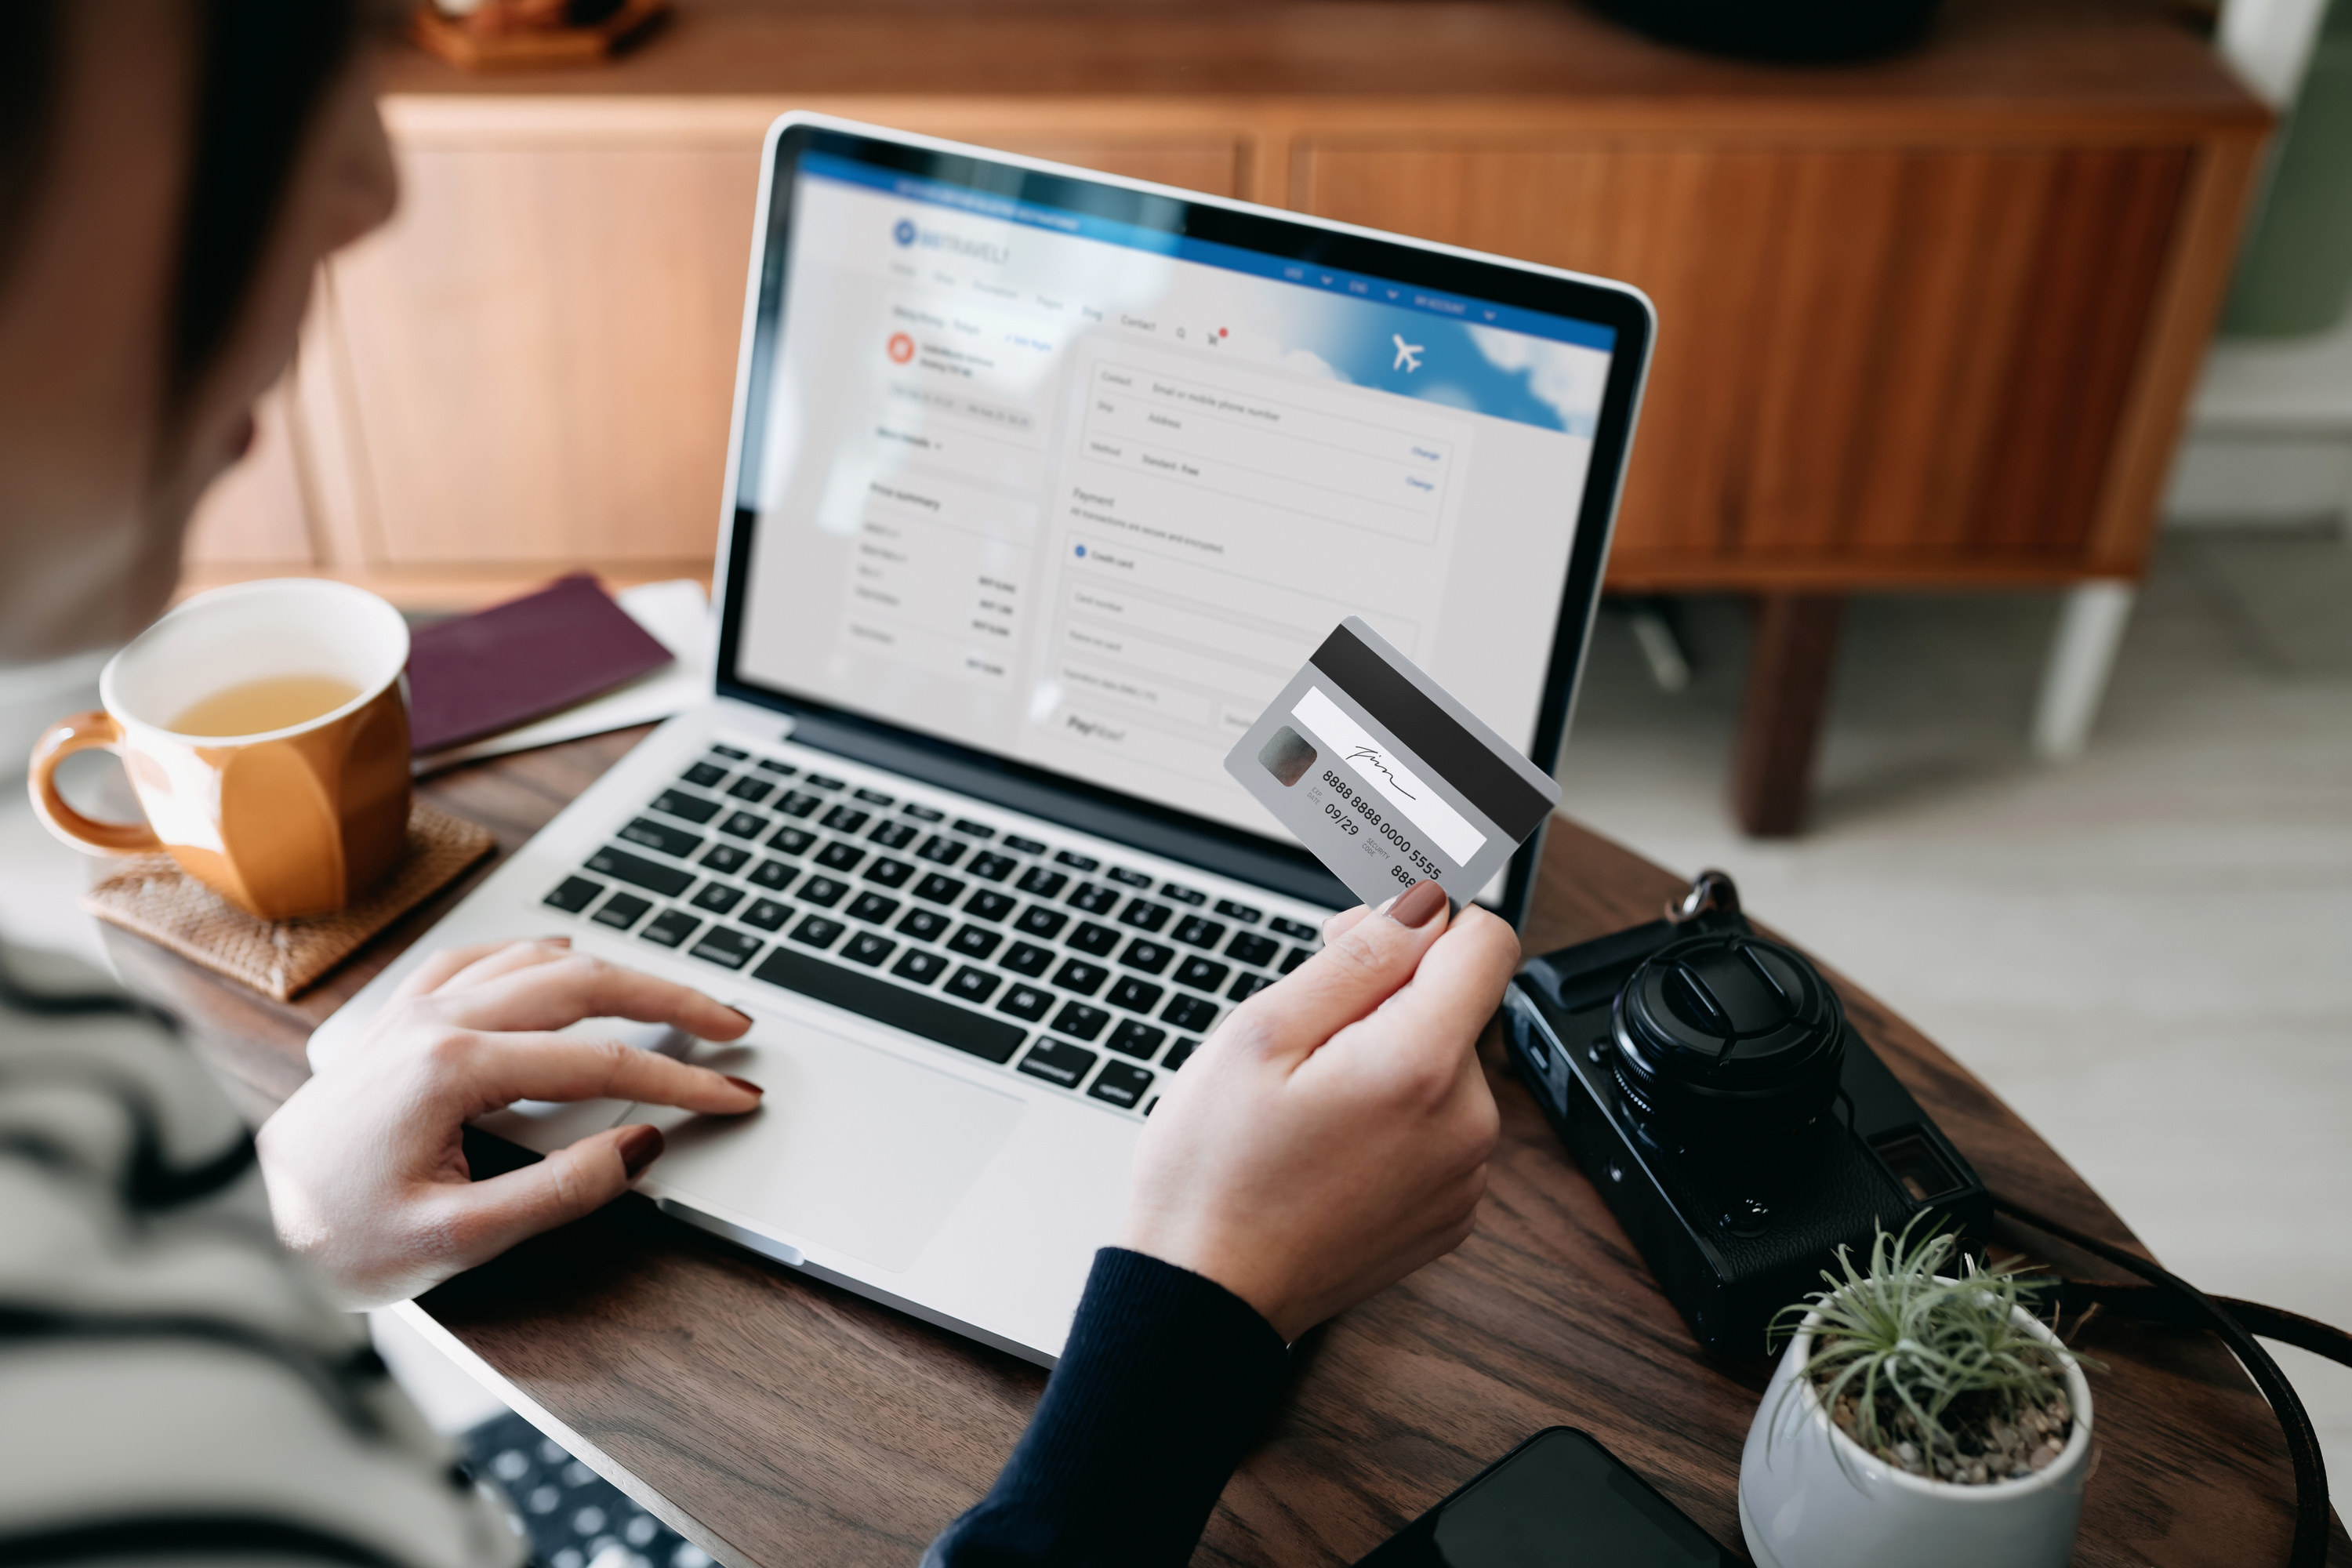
(366, 1173)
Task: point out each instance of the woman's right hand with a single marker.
(1333, 1135)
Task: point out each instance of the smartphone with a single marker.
(1557, 1500)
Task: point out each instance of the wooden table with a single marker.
(778, 1420)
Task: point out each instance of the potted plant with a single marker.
(1920, 1417)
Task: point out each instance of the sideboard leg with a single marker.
(2082, 656)
(1788, 668)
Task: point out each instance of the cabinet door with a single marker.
(1901, 360)
(257, 516)
(538, 353)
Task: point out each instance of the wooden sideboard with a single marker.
(1923, 323)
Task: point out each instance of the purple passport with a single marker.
(476, 674)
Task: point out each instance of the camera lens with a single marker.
(1726, 1040)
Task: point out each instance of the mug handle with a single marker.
(62, 740)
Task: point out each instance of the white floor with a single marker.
(2145, 951)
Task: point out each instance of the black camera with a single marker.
(1706, 1080)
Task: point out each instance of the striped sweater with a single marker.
(174, 1386)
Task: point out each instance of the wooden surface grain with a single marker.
(783, 1421)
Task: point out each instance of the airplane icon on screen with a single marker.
(1408, 359)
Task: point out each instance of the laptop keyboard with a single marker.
(1095, 977)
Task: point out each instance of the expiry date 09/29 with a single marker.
(1348, 824)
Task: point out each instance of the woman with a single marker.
(178, 1371)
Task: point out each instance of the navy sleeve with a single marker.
(1166, 1377)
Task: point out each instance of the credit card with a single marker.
(1386, 777)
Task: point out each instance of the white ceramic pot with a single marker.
(1804, 1504)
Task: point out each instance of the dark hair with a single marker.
(263, 66)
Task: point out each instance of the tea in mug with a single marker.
(274, 702)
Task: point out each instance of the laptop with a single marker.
(1041, 484)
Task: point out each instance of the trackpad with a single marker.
(853, 1147)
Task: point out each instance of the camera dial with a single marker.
(1726, 1040)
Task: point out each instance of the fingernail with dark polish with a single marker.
(640, 1147)
(1418, 905)
(743, 1083)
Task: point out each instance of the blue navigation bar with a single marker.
(1209, 253)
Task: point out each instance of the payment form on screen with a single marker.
(1088, 494)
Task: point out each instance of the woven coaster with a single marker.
(153, 898)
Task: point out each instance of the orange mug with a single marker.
(264, 730)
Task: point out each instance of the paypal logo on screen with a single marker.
(904, 231)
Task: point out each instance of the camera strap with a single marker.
(2169, 1299)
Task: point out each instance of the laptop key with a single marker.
(637, 871)
(923, 925)
(973, 985)
(923, 813)
(1183, 895)
(1058, 1061)
(872, 908)
(1122, 1084)
(867, 948)
(976, 941)
(1040, 883)
(652, 835)
(822, 891)
(766, 914)
(886, 1001)
(1150, 957)
(729, 858)
(1293, 958)
(731, 754)
(967, 826)
(1246, 984)
(846, 818)
(1075, 861)
(1201, 973)
(727, 948)
(818, 931)
(705, 775)
(718, 897)
(992, 867)
(941, 850)
(622, 910)
(781, 770)
(1027, 959)
(1079, 1019)
(744, 825)
(1242, 913)
(892, 833)
(799, 802)
(919, 966)
(1145, 915)
(824, 781)
(1193, 1014)
(1027, 1003)
(840, 855)
(749, 789)
(692, 807)
(1135, 995)
(774, 875)
(791, 840)
(1194, 931)
(1079, 977)
(1092, 898)
(1178, 1052)
(889, 873)
(1126, 878)
(1019, 844)
(668, 928)
(940, 889)
(1248, 947)
(1298, 931)
(1137, 1040)
(1093, 940)
(1041, 923)
(990, 905)
(573, 894)
(874, 797)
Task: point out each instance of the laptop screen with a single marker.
(1077, 475)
